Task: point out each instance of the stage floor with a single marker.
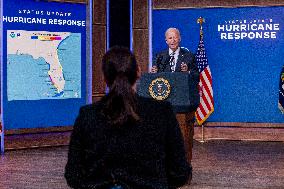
(216, 165)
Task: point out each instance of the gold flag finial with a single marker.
(200, 21)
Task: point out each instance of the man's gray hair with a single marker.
(175, 29)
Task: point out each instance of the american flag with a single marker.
(206, 106)
(281, 91)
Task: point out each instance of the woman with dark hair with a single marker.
(125, 141)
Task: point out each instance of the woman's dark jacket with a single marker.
(145, 155)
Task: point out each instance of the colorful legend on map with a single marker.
(46, 38)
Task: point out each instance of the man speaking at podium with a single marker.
(175, 58)
(178, 59)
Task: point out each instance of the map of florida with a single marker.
(40, 44)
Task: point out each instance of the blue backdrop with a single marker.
(245, 71)
(44, 112)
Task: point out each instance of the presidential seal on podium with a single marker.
(160, 89)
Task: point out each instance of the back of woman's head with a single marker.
(120, 72)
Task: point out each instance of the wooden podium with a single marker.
(187, 129)
(180, 89)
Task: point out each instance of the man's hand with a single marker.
(184, 67)
(154, 69)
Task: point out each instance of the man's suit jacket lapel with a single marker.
(167, 61)
(179, 60)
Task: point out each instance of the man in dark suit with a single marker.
(175, 58)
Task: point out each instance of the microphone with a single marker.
(159, 62)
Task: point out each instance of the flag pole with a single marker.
(200, 21)
(202, 134)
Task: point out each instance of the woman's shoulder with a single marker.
(87, 107)
(93, 107)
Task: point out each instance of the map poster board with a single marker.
(44, 63)
(245, 51)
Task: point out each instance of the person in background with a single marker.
(126, 141)
(175, 58)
